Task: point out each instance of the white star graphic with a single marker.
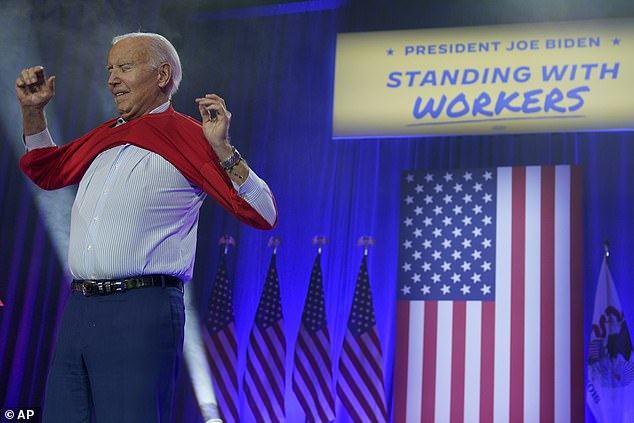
(405, 290)
(486, 289)
(446, 289)
(406, 267)
(466, 289)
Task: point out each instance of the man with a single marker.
(142, 179)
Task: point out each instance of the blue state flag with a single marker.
(610, 387)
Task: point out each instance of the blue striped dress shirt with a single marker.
(136, 214)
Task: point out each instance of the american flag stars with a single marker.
(447, 233)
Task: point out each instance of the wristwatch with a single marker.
(233, 160)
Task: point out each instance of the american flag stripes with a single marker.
(264, 378)
(312, 376)
(221, 344)
(490, 307)
(360, 383)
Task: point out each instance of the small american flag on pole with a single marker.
(312, 376)
(264, 377)
(360, 384)
(490, 307)
(222, 345)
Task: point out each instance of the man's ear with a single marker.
(165, 74)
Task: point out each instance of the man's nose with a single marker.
(113, 78)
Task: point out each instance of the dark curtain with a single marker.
(274, 64)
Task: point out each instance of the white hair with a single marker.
(160, 51)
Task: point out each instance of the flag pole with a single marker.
(226, 240)
(319, 241)
(274, 241)
(365, 241)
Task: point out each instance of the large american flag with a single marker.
(264, 377)
(490, 307)
(312, 375)
(222, 345)
(360, 383)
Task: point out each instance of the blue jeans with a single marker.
(117, 358)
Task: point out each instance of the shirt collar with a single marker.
(163, 107)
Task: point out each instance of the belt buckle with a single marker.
(118, 286)
(90, 288)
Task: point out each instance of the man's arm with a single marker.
(34, 91)
(216, 120)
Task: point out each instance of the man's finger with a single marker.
(51, 83)
(204, 114)
(39, 76)
(26, 76)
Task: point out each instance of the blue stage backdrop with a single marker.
(274, 64)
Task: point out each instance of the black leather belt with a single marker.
(108, 286)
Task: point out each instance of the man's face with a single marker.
(136, 86)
